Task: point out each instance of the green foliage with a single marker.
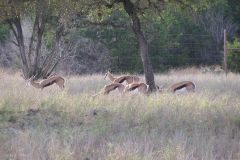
(49, 39)
(174, 38)
(174, 41)
(234, 56)
(177, 41)
(4, 32)
(16, 9)
(234, 9)
(122, 44)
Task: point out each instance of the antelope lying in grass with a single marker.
(129, 79)
(58, 80)
(181, 87)
(109, 88)
(140, 87)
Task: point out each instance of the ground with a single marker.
(69, 124)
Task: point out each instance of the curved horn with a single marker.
(106, 74)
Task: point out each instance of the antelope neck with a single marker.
(110, 76)
(35, 84)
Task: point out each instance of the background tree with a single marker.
(43, 12)
(234, 10)
(135, 9)
(174, 37)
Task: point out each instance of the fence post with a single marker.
(225, 52)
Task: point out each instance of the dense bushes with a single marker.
(177, 38)
(4, 32)
(174, 41)
(234, 56)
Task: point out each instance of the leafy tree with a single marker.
(134, 9)
(173, 40)
(234, 10)
(215, 19)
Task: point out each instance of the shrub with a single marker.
(4, 32)
(234, 56)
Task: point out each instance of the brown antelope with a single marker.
(129, 79)
(48, 82)
(140, 87)
(184, 86)
(180, 87)
(111, 87)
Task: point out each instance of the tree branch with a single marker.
(107, 23)
(184, 4)
(13, 42)
(12, 28)
(110, 5)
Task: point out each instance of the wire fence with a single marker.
(161, 63)
(184, 53)
(187, 50)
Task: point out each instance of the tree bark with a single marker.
(15, 25)
(51, 61)
(40, 21)
(32, 65)
(143, 45)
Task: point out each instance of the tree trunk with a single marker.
(143, 45)
(51, 61)
(33, 68)
(31, 64)
(15, 25)
(38, 30)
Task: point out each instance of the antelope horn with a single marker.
(109, 70)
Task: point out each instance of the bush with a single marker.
(234, 56)
(4, 32)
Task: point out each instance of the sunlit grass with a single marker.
(70, 124)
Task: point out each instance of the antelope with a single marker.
(111, 87)
(129, 79)
(141, 87)
(48, 82)
(184, 86)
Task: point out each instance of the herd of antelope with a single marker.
(124, 84)
(133, 83)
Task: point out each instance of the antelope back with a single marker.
(136, 79)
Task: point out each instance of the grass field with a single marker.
(65, 125)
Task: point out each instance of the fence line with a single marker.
(197, 53)
(185, 34)
(226, 49)
(126, 63)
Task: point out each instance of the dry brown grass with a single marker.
(52, 124)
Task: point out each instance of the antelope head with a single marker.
(30, 80)
(160, 88)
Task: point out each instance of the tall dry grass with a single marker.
(69, 124)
